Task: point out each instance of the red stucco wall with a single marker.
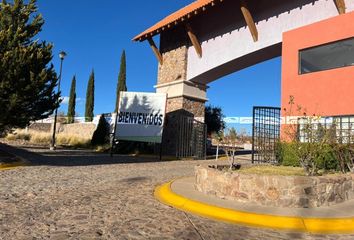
(325, 93)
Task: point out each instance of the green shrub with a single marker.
(286, 155)
(289, 154)
(326, 160)
(344, 156)
(101, 135)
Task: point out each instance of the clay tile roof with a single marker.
(165, 23)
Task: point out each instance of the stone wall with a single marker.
(41, 127)
(174, 47)
(185, 99)
(194, 106)
(174, 66)
(84, 130)
(277, 191)
(197, 108)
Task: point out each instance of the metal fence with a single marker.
(340, 127)
(265, 134)
(191, 139)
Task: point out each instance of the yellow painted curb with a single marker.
(13, 165)
(312, 225)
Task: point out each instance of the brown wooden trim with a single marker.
(340, 4)
(155, 50)
(194, 40)
(249, 20)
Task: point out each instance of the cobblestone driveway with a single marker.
(64, 197)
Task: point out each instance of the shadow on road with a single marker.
(63, 157)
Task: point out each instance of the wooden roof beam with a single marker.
(155, 50)
(249, 20)
(194, 40)
(340, 4)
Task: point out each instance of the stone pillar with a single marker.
(183, 97)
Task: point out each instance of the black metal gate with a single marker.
(266, 134)
(191, 139)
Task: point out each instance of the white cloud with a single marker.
(65, 100)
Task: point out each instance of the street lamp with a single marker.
(62, 55)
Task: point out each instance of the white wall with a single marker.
(219, 50)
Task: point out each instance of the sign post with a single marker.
(140, 117)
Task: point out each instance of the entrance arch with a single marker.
(209, 39)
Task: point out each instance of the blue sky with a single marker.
(94, 33)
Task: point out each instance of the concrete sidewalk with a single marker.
(181, 194)
(185, 187)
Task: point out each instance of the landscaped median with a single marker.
(165, 195)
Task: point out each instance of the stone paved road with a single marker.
(65, 197)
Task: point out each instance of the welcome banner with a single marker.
(141, 117)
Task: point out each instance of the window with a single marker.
(332, 55)
(312, 130)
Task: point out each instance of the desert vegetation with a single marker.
(44, 138)
(316, 146)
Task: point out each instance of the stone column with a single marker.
(184, 97)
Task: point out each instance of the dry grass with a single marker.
(44, 138)
(40, 138)
(102, 148)
(19, 136)
(274, 170)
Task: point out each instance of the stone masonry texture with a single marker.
(174, 66)
(197, 108)
(174, 47)
(277, 191)
(71, 195)
(84, 130)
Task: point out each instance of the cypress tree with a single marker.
(122, 77)
(27, 79)
(90, 98)
(72, 101)
(101, 134)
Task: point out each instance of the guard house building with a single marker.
(209, 39)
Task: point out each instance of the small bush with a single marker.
(20, 135)
(286, 155)
(41, 138)
(72, 140)
(101, 135)
(324, 159)
(45, 138)
(103, 148)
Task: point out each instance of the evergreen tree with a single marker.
(122, 77)
(90, 98)
(27, 81)
(72, 101)
(214, 119)
(101, 134)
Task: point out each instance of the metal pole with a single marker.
(52, 146)
(114, 133)
(253, 133)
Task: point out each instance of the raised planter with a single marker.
(276, 191)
